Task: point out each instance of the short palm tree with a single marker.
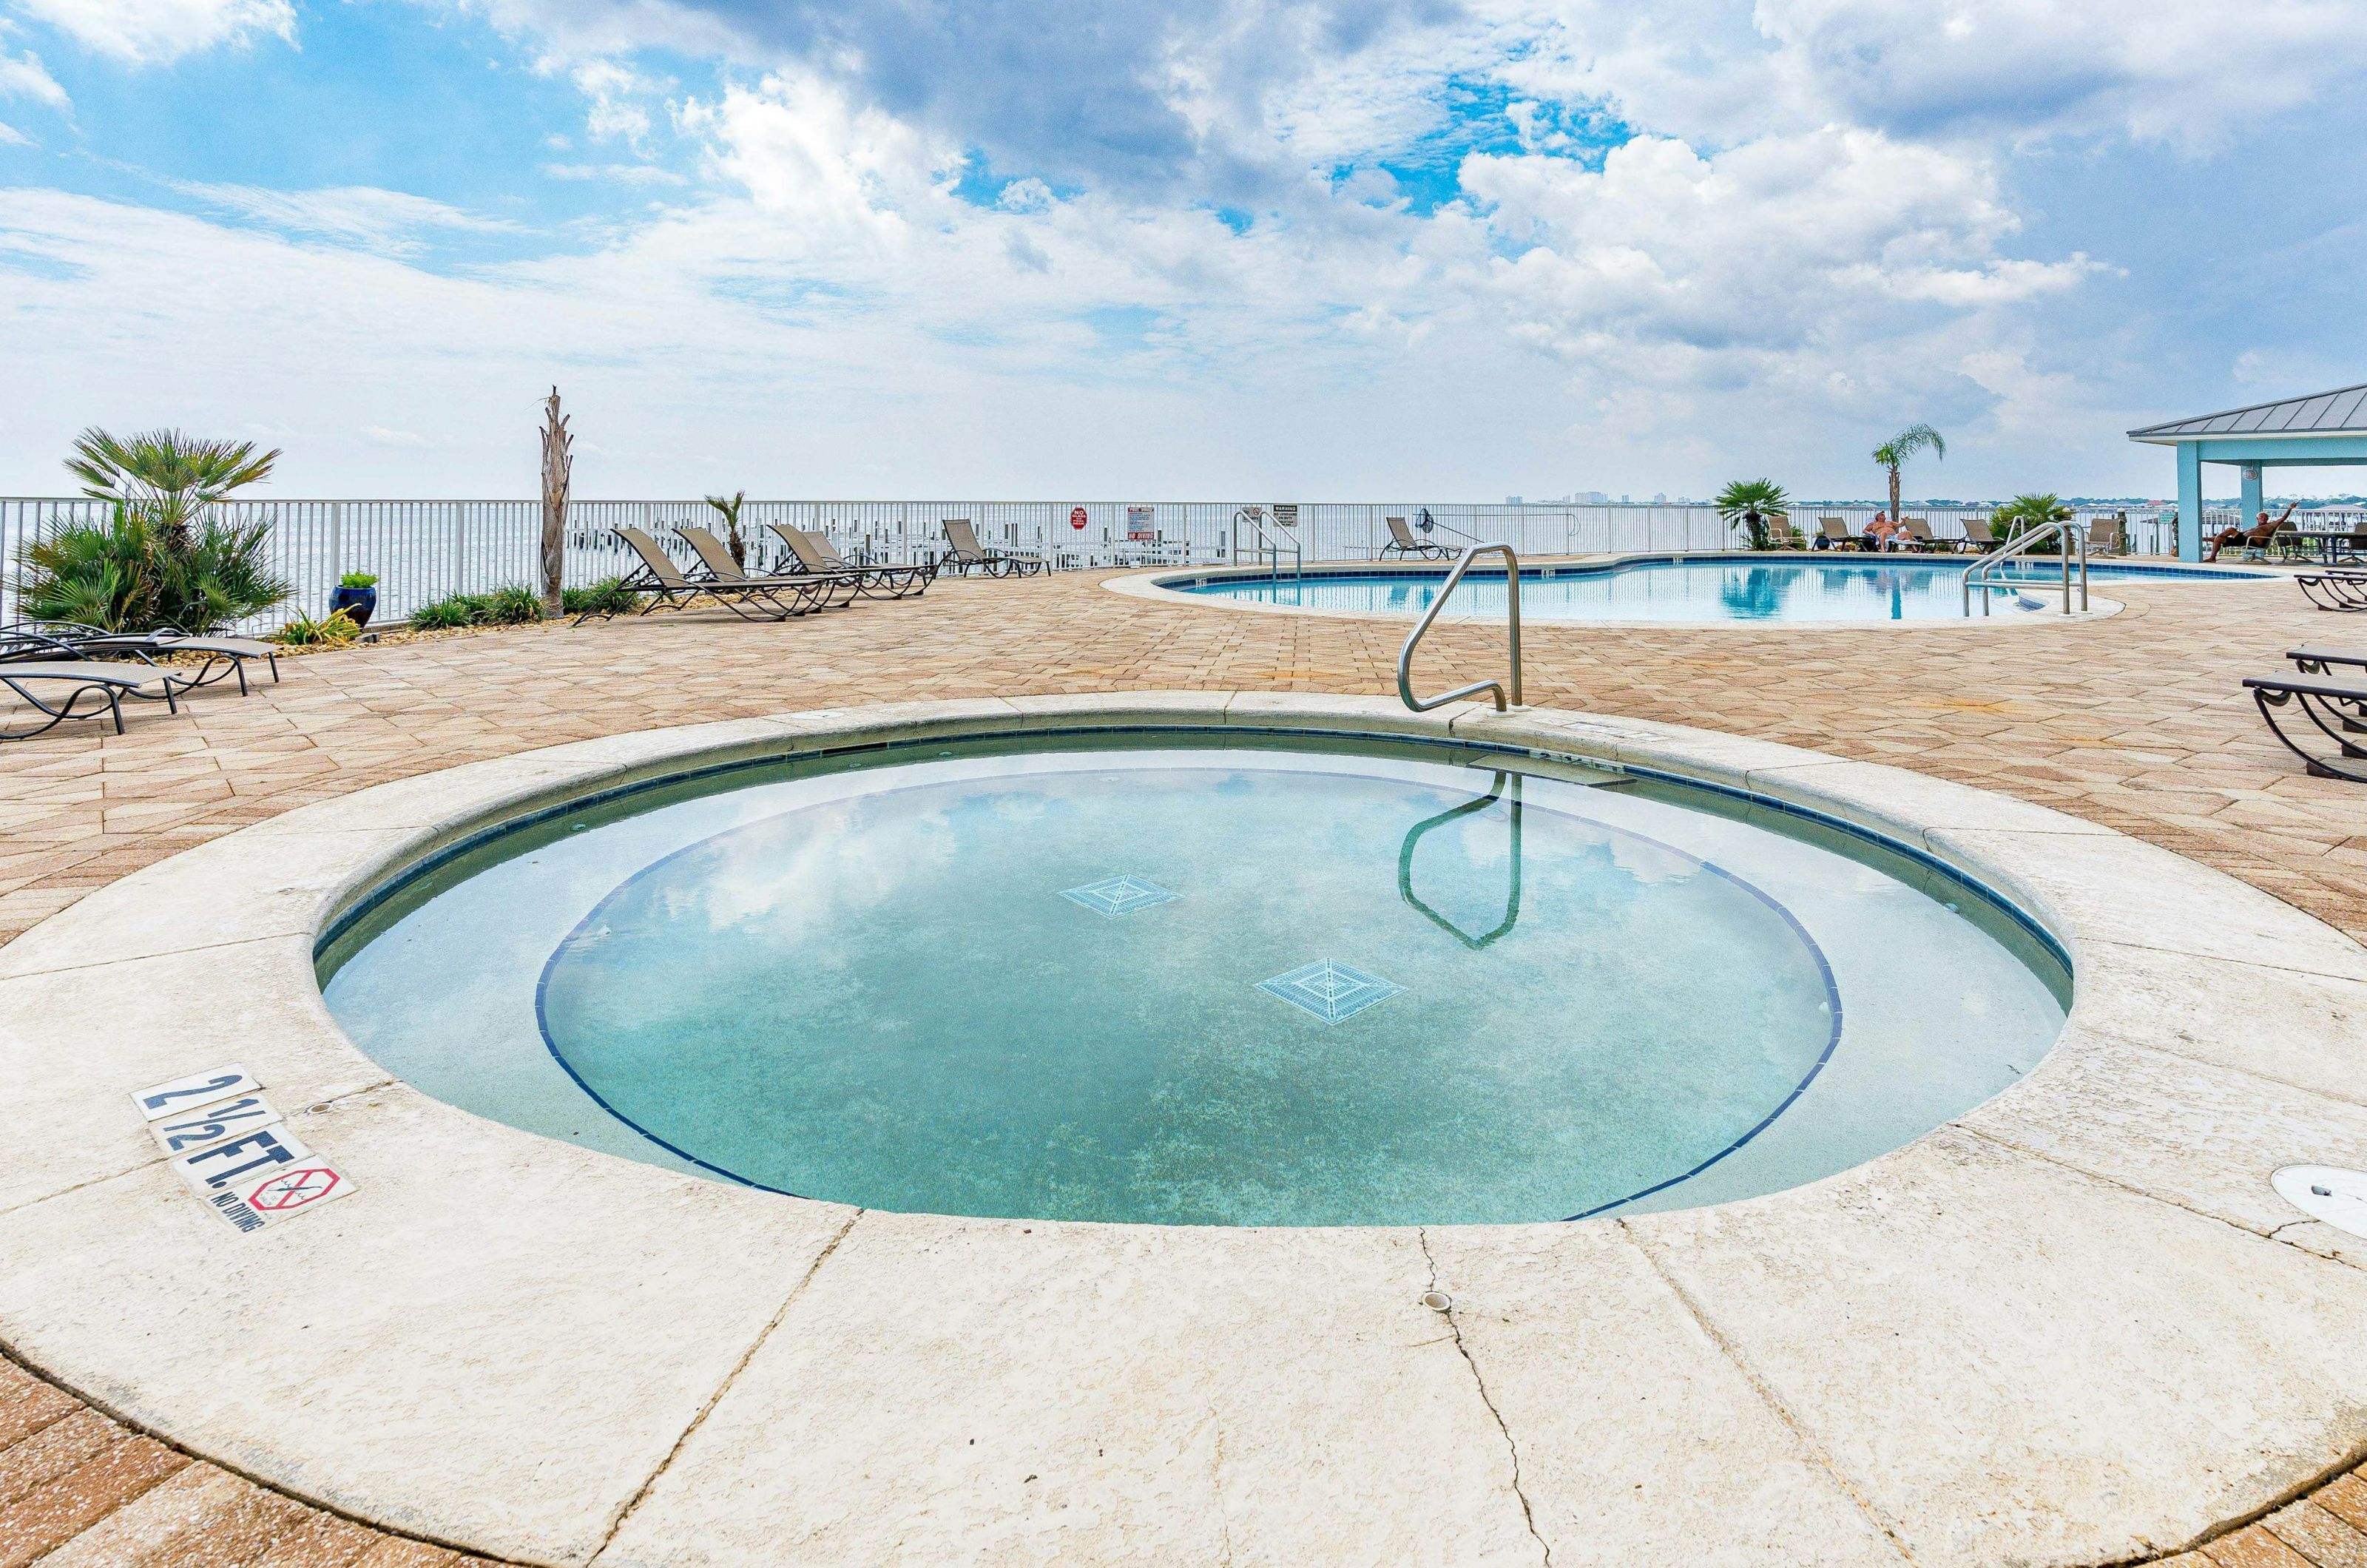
(1755, 503)
(2024, 513)
(162, 558)
(169, 475)
(1893, 454)
(732, 540)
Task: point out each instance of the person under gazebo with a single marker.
(2255, 538)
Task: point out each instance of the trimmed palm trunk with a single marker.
(558, 473)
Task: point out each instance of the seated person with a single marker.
(1878, 532)
(2253, 538)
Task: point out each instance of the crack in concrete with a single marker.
(699, 1418)
(1528, 1515)
(160, 1158)
(2275, 1234)
(1733, 1353)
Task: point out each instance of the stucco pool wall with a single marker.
(2074, 1325)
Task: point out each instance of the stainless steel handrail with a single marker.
(2074, 538)
(1268, 546)
(1512, 619)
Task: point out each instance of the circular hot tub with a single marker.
(1161, 976)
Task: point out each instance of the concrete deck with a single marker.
(1698, 1322)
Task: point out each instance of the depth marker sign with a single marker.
(232, 1148)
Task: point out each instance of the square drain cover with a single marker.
(1330, 991)
(1118, 895)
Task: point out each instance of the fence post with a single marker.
(336, 544)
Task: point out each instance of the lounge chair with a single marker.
(657, 580)
(1920, 537)
(815, 556)
(221, 656)
(1782, 535)
(1980, 534)
(716, 565)
(2109, 536)
(1836, 535)
(2333, 590)
(1404, 542)
(74, 677)
(966, 554)
(2334, 704)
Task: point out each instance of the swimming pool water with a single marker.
(1202, 982)
(1827, 587)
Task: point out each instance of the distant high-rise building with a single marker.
(1511, 501)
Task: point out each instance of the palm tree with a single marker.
(168, 476)
(1755, 503)
(730, 511)
(1893, 454)
(2024, 513)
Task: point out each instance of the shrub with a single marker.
(511, 607)
(501, 607)
(130, 574)
(457, 610)
(358, 580)
(1753, 505)
(163, 557)
(329, 631)
(2024, 512)
(609, 596)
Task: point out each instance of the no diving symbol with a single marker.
(294, 1190)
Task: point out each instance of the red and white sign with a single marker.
(1077, 518)
(295, 1189)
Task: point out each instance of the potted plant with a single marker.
(356, 596)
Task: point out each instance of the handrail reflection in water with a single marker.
(1512, 896)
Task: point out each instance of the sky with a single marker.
(1290, 249)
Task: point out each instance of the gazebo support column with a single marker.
(2190, 501)
(2250, 512)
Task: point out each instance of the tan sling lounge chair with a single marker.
(657, 580)
(1404, 542)
(966, 554)
(815, 556)
(716, 565)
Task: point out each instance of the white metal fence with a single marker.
(423, 550)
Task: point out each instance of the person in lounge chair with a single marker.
(2254, 539)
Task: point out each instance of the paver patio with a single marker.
(2136, 721)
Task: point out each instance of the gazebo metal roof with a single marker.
(2339, 413)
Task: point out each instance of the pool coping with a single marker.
(2074, 1325)
(1150, 584)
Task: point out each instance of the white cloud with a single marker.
(150, 31)
(12, 137)
(364, 216)
(1811, 225)
(28, 78)
(2007, 72)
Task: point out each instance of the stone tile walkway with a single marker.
(2136, 721)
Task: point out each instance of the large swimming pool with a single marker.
(1155, 977)
(1826, 587)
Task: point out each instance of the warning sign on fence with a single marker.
(1077, 518)
(1142, 523)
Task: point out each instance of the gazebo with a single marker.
(2324, 430)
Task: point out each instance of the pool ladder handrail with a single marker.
(1269, 547)
(2074, 537)
(1512, 620)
